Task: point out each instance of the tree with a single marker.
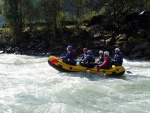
(13, 14)
(51, 10)
(31, 13)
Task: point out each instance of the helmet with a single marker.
(89, 52)
(106, 53)
(101, 52)
(70, 47)
(85, 49)
(117, 49)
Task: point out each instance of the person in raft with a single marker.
(107, 62)
(89, 60)
(101, 58)
(70, 57)
(84, 54)
(118, 58)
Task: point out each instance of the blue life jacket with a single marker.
(118, 57)
(70, 57)
(101, 58)
(89, 59)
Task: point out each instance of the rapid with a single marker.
(29, 85)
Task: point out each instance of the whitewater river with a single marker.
(29, 85)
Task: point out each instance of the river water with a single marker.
(29, 85)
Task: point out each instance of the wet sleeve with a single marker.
(67, 56)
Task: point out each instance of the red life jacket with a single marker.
(73, 55)
(107, 61)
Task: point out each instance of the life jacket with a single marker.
(109, 62)
(74, 55)
(101, 58)
(91, 60)
(120, 56)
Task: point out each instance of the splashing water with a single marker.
(29, 85)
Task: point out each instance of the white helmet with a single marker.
(106, 53)
(101, 52)
(117, 49)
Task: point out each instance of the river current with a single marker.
(29, 85)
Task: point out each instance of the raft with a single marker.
(59, 65)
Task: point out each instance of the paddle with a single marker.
(1, 52)
(77, 60)
(129, 72)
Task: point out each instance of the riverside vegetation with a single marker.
(47, 27)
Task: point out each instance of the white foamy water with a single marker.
(29, 85)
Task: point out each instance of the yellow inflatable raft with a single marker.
(59, 65)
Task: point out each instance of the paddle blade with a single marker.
(129, 72)
(53, 61)
(77, 60)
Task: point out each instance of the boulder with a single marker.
(147, 52)
(128, 46)
(142, 46)
(95, 20)
(41, 45)
(135, 55)
(30, 52)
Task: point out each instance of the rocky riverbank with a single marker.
(131, 47)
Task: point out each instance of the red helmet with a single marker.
(85, 49)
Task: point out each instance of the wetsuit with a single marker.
(89, 61)
(69, 58)
(118, 59)
(106, 64)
